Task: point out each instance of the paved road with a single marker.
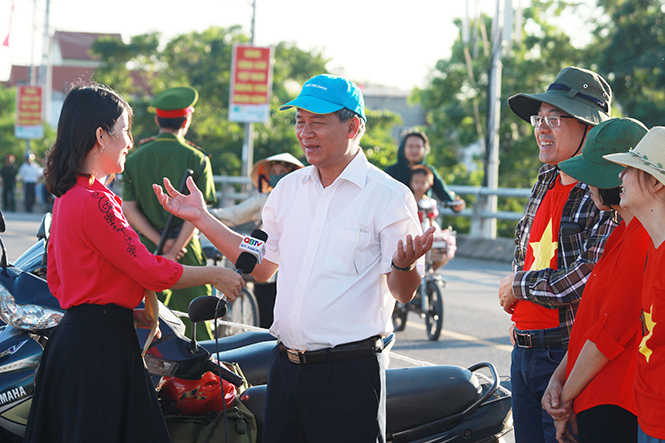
(475, 326)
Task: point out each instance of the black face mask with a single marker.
(274, 178)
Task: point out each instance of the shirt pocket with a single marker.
(571, 247)
(347, 251)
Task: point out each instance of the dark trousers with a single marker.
(329, 402)
(8, 201)
(265, 296)
(29, 196)
(607, 424)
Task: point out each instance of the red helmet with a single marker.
(198, 396)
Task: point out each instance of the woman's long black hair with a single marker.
(85, 109)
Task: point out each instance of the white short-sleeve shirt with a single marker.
(334, 246)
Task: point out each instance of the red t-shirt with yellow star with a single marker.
(541, 254)
(609, 316)
(650, 377)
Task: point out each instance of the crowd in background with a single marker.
(32, 194)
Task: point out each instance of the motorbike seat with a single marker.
(415, 396)
(236, 341)
(421, 395)
(254, 360)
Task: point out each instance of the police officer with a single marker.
(169, 155)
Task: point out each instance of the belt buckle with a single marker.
(295, 356)
(528, 342)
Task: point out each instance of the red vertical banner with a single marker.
(251, 84)
(29, 123)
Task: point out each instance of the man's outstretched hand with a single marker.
(188, 207)
(412, 248)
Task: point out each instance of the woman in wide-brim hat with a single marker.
(265, 175)
(643, 193)
(603, 343)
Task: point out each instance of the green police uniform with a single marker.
(169, 155)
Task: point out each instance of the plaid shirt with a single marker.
(577, 253)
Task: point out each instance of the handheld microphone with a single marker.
(254, 248)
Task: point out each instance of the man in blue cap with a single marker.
(345, 237)
(169, 155)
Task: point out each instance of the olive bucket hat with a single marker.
(648, 155)
(612, 136)
(578, 92)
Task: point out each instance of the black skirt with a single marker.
(91, 385)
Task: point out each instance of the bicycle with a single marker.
(428, 301)
(244, 309)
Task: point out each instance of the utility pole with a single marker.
(45, 67)
(501, 34)
(248, 143)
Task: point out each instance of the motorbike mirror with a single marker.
(206, 307)
(45, 227)
(2, 222)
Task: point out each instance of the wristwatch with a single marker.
(407, 269)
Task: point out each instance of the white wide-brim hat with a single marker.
(648, 155)
(260, 165)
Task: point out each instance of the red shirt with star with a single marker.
(542, 253)
(609, 316)
(650, 377)
(95, 257)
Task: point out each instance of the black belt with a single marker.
(348, 351)
(537, 339)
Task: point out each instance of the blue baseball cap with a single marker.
(324, 94)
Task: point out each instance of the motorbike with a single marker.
(428, 301)
(424, 404)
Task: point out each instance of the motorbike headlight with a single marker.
(30, 317)
(157, 366)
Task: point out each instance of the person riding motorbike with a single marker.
(413, 149)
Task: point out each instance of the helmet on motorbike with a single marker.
(198, 396)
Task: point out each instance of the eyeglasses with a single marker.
(552, 121)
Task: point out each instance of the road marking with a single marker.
(464, 337)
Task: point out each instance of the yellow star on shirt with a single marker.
(544, 250)
(649, 324)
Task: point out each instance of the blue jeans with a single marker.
(530, 372)
(642, 437)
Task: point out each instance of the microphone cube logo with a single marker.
(254, 246)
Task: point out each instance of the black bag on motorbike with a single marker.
(209, 428)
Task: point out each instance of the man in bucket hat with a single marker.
(558, 241)
(345, 237)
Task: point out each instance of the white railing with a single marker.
(231, 190)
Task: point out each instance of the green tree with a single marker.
(203, 60)
(629, 50)
(456, 102)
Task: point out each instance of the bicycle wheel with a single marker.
(399, 317)
(244, 310)
(434, 316)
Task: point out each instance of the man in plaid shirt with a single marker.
(558, 241)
